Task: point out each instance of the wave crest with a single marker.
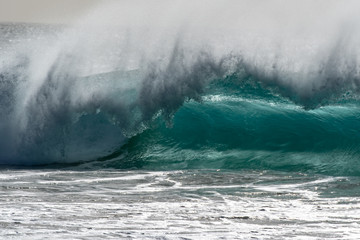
(65, 90)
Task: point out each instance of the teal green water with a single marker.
(235, 123)
(241, 126)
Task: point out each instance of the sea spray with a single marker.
(79, 93)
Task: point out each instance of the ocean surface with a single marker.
(147, 130)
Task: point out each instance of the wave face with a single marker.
(138, 85)
(249, 129)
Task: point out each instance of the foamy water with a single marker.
(53, 204)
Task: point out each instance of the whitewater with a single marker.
(183, 120)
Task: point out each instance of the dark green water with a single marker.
(248, 127)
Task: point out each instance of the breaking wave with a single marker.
(148, 87)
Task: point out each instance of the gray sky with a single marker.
(43, 11)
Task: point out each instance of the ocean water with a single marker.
(158, 121)
(186, 204)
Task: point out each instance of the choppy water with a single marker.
(193, 204)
